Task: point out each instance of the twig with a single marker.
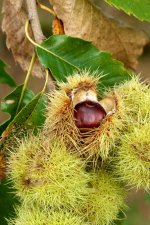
(34, 20)
(46, 8)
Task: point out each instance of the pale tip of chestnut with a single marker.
(88, 114)
(109, 105)
(81, 95)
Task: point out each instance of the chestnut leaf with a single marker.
(64, 55)
(31, 115)
(10, 104)
(125, 43)
(138, 8)
(4, 77)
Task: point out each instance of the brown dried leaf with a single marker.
(58, 27)
(14, 17)
(18, 4)
(81, 19)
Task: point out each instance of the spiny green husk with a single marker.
(84, 79)
(98, 142)
(48, 172)
(60, 113)
(44, 172)
(60, 120)
(130, 97)
(136, 97)
(106, 199)
(132, 106)
(38, 216)
(132, 160)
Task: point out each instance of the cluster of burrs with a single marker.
(76, 170)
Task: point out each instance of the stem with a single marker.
(34, 19)
(46, 8)
(46, 81)
(50, 83)
(27, 33)
(26, 80)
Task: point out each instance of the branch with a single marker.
(34, 20)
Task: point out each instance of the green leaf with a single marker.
(30, 118)
(37, 117)
(7, 202)
(4, 77)
(138, 8)
(63, 55)
(33, 113)
(10, 104)
(4, 125)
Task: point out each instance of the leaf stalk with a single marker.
(44, 7)
(33, 59)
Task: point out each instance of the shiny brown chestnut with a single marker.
(88, 114)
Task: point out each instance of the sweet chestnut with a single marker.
(88, 114)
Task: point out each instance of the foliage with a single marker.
(10, 103)
(105, 33)
(64, 58)
(138, 8)
(7, 201)
(4, 77)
